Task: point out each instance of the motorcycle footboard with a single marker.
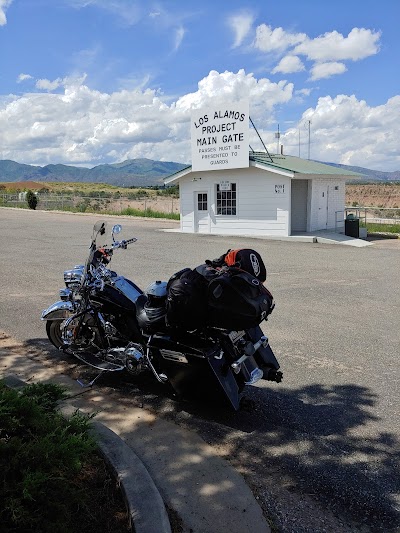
(226, 380)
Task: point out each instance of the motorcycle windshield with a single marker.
(100, 234)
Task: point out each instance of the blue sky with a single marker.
(86, 82)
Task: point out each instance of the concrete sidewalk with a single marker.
(206, 493)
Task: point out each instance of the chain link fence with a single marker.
(376, 215)
(98, 204)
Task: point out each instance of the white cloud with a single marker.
(327, 70)
(48, 85)
(277, 39)
(127, 11)
(241, 24)
(23, 77)
(86, 127)
(348, 131)
(332, 46)
(179, 34)
(289, 64)
(83, 126)
(219, 88)
(4, 4)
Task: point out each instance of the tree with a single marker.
(32, 200)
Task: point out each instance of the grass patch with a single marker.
(381, 228)
(44, 459)
(150, 213)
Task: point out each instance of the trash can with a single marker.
(352, 226)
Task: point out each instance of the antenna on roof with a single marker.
(262, 142)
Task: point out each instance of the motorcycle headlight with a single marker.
(73, 278)
(65, 295)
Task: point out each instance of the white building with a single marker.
(276, 195)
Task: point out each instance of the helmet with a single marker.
(157, 289)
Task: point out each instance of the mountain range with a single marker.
(130, 173)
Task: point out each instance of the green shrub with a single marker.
(31, 199)
(41, 453)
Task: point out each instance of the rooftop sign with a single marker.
(220, 137)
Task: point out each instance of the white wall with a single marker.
(263, 202)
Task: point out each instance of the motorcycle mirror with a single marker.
(117, 228)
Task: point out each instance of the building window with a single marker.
(226, 201)
(202, 201)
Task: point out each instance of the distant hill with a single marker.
(369, 175)
(130, 173)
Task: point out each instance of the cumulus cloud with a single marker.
(48, 85)
(276, 40)
(348, 131)
(288, 65)
(4, 4)
(327, 51)
(83, 126)
(23, 77)
(326, 70)
(359, 44)
(241, 24)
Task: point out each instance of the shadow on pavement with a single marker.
(313, 440)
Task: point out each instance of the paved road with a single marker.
(327, 440)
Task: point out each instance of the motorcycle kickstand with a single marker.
(91, 383)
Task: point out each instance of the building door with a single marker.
(323, 207)
(299, 202)
(201, 219)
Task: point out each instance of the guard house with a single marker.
(276, 195)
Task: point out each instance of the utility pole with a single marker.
(299, 142)
(277, 137)
(309, 138)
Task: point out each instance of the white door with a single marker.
(323, 208)
(202, 219)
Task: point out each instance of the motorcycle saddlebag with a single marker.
(187, 300)
(237, 300)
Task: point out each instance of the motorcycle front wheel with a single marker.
(53, 330)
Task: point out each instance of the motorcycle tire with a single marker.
(53, 331)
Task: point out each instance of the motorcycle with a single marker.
(107, 322)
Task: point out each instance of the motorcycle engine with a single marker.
(135, 361)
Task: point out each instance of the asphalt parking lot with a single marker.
(331, 429)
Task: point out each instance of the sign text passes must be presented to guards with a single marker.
(220, 137)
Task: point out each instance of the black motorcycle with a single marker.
(106, 321)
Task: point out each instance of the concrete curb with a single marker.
(144, 503)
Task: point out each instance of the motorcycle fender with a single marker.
(226, 379)
(264, 355)
(58, 311)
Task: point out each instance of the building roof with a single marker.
(298, 165)
(294, 167)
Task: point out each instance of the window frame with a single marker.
(226, 201)
(203, 201)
